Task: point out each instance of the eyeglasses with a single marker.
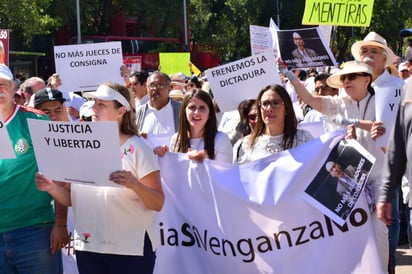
(374, 51)
(157, 86)
(252, 117)
(321, 88)
(271, 104)
(351, 76)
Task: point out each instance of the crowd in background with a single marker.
(183, 106)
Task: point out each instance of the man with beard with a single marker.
(161, 114)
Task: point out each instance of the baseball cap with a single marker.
(5, 72)
(46, 95)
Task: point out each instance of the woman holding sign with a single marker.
(197, 134)
(114, 227)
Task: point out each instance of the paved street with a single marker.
(404, 260)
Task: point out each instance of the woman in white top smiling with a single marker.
(115, 229)
(197, 134)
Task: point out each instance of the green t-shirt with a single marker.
(21, 204)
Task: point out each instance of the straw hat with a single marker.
(372, 39)
(350, 67)
(176, 94)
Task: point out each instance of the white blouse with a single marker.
(223, 146)
(266, 145)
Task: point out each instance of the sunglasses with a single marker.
(252, 117)
(351, 76)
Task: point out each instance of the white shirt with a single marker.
(115, 217)
(223, 146)
(141, 101)
(159, 121)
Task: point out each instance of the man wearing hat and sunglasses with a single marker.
(373, 50)
(28, 227)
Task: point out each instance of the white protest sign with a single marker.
(83, 153)
(84, 67)
(259, 39)
(273, 28)
(243, 79)
(386, 105)
(154, 140)
(6, 151)
(316, 128)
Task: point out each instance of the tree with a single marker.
(218, 25)
(26, 19)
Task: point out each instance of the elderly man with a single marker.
(302, 54)
(345, 178)
(31, 86)
(31, 237)
(161, 114)
(373, 50)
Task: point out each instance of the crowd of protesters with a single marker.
(184, 107)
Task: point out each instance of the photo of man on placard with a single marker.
(309, 48)
(338, 186)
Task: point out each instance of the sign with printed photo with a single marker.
(342, 180)
(304, 48)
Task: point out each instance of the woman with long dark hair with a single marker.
(275, 129)
(197, 134)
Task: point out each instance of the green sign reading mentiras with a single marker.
(338, 12)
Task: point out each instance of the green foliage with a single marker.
(218, 25)
(26, 18)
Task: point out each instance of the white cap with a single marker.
(106, 93)
(86, 109)
(5, 72)
(402, 66)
